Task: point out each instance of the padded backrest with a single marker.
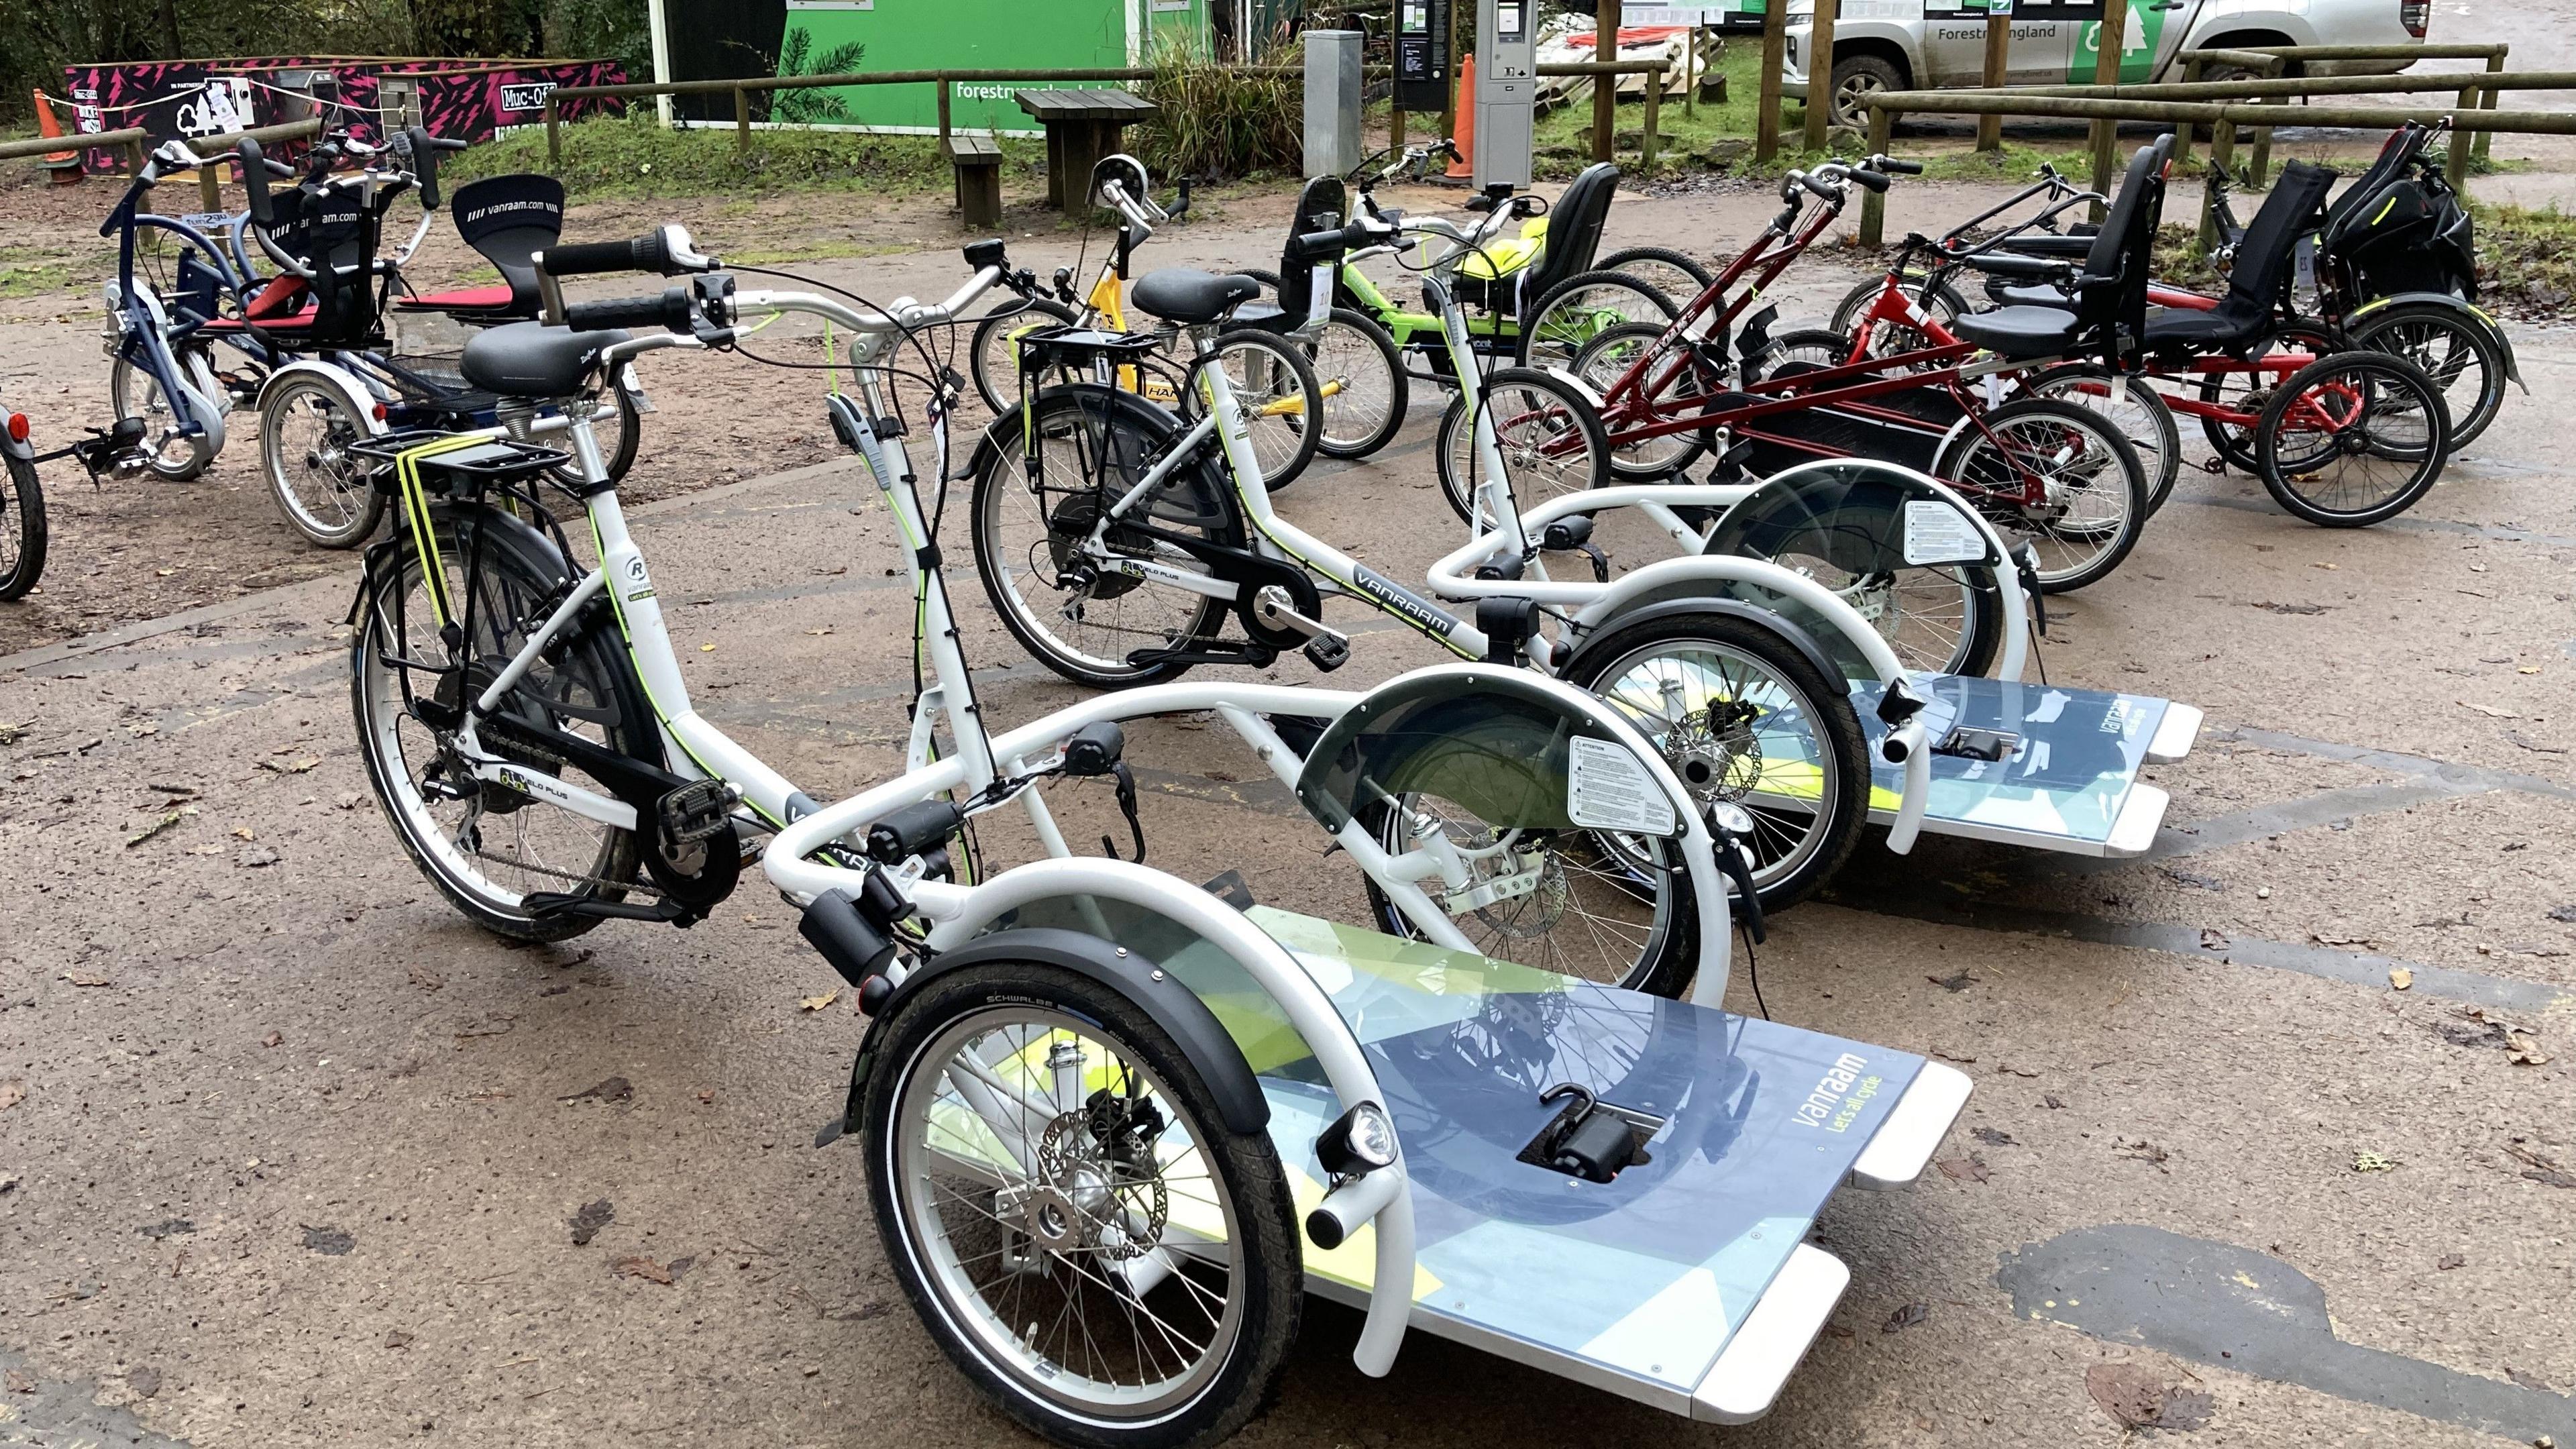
(2394, 153)
(1322, 206)
(509, 219)
(2122, 251)
(1574, 227)
(2263, 254)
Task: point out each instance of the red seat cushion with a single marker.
(300, 321)
(481, 298)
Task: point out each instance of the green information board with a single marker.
(824, 37)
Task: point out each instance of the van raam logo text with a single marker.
(1838, 1099)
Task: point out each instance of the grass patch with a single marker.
(635, 157)
(30, 271)
(2527, 259)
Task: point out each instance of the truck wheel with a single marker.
(1856, 79)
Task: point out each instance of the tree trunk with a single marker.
(169, 30)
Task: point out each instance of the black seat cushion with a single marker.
(2193, 328)
(2029, 294)
(530, 359)
(2020, 331)
(1180, 294)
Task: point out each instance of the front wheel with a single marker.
(1070, 1215)
(2058, 475)
(1747, 722)
(1548, 438)
(1676, 381)
(22, 529)
(1366, 393)
(306, 426)
(1556, 327)
(1672, 273)
(133, 392)
(993, 355)
(1283, 402)
(2352, 439)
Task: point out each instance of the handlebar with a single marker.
(671, 311)
(666, 250)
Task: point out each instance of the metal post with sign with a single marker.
(1506, 90)
(1422, 55)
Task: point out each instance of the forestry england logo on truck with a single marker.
(1838, 1098)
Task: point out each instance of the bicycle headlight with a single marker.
(1360, 1140)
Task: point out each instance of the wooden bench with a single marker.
(978, 160)
(1082, 125)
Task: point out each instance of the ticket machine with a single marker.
(1422, 55)
(1506, 89)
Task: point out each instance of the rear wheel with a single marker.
(1063, 1202)
(305, 428)
(2352, 439)
(1366, 392)
(2091, 490)
(2451, 347)
(1746, 721)
(484, 845)
(2245, 393)
(22, 529)
(1672, 273)
(2139, 413)
(1555, 329)
(993, 353)
(1059, 594)
(1942, 301)
(1549, 438)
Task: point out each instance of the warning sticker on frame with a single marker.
(1607, 788)
(1936, 533)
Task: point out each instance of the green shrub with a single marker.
(1217, 120)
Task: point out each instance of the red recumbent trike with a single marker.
(2052, 472)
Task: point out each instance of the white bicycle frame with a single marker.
(957, 913)
(1595, 604)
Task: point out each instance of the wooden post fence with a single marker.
(1820, 73)
(1998, 71)
(1766, 106)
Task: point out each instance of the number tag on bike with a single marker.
(1936, 533)
(1319, 297)
(208, 220)
(1607, 789)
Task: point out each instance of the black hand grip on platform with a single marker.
(1895, 167)
(1871, 179)
(670, 310)
(579, 259)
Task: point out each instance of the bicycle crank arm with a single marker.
(537, 785)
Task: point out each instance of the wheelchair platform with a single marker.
(1685, 1282)
(2070, 784)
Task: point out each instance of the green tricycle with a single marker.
(1533, 299)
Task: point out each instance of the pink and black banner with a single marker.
(466, 100)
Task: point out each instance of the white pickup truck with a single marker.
(1883, 45)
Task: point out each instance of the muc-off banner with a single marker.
(463, 100)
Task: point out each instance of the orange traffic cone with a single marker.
(1465, 166)
(66, 165)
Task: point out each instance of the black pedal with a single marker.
(1328, 652)
(1967, 742)
(1590, 1139)
(699, 810)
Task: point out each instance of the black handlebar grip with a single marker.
(1317, 244)
(1871, 179)
(587, 258)
(670, 311)
(254, 179)
(424, 164)
(1900, 168)
(1817, 185)
(652, 253)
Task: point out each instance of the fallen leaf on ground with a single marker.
(2213, 940)
(146, 1382)
(244, 832)
(2143, 1151)
(817, 1003)
(1994, 1137)
(2322, 939)
(2373, 1162)
(644, 1268)
(591, 1217)
(2448, 1261)
(168, 819)
(11, 1094)
(425, 979)
(2052, 1102)
(296, 767)
(330, 1242)
(615, 1089)
(2399, 978)
(273, 1039)
(1960, 982)
(257, 856)
(2139, 1398)
(2490, 711)
(2523, 1049)
(19, 1382)
(398, 1338)
(1906, 1317)
(79, 980)
(2531, 1381)
(1971, 1168)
